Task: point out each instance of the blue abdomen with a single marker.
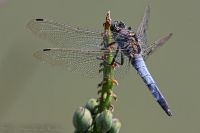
(139, 64)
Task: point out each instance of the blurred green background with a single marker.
(32, 93)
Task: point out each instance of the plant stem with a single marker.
(108, 69)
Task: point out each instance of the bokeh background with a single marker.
(37, 97)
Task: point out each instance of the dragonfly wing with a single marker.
(152, 48)
(65, 35)
(81, 61)
(142, 29)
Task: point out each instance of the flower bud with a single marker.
(104, 121)
(91, 105)
(116, 125)
(82, 119)
(76, 131)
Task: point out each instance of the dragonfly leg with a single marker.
(114, 62)
(115, 56)
(122, 60)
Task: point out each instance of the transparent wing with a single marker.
(76, 60)
(65, 35)
(142, 29)
(152, 48)
(81, 61)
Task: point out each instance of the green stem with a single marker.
(108, 70)
(101, 117)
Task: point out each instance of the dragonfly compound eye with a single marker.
(113, 26)
(121, 25)
(117, 26)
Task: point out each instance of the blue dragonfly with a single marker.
(78, 49)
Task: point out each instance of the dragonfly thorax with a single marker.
(125, 38)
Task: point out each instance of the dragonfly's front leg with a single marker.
(114, 62)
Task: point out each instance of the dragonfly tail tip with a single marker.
(169, 113)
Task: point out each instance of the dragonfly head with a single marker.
(117, 26)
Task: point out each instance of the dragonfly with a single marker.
(78, 49)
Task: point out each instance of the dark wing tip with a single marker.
(39, 19)
(33, 24)
(46, 49)
(40, 54)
